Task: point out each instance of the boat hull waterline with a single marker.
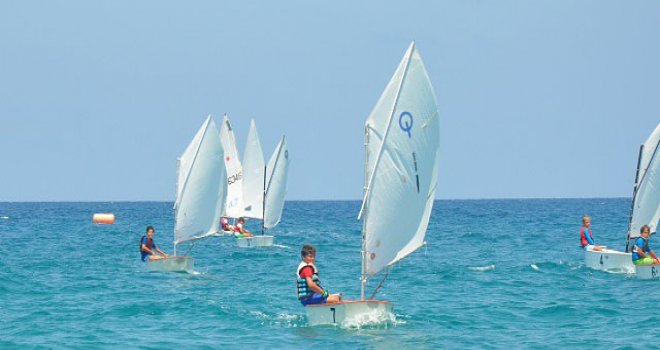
(648, 271)
(172, 264)
(255, 241)
(350, 313)
(609, 260)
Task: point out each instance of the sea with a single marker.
(494, 274)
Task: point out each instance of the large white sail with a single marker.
(278, 170)
(646, 203)
(234, 207)
(401, 167)
(253, 175)
(200, 196)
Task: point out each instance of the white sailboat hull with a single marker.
(172, 264)
(648, 271)
(350, 313)
(255, 241)
(609, 260)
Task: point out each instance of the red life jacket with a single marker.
(583, 237)
(238, 227)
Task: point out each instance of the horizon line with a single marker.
(307, 200)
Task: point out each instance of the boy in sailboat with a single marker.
(641, 253)
(308, 283)
(148, 247)
(586, 236)
(239, 229)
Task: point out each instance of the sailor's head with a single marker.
(224, 219)
(241, 220)
(308, 253)
(645, 231)
(150, 231)
(586, 220)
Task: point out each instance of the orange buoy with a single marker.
(104, 218)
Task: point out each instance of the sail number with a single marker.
(234, 178)
(333, 314)
(406, 123)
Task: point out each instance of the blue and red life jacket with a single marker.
(304, 291)
(583, 237)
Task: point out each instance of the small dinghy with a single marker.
(401, 167)
(200, 197)
(645, 210)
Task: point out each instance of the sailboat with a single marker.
(400, 173)
(645, 210)
(264, 187)
(200, 197)
(234, 203)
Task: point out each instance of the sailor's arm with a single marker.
(313, 286)
(160, 251)
(589, 239)
(144, 248)
(641, 253)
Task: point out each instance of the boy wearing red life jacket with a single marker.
(586, 236)
(307, 280)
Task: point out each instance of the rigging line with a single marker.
(380, 284)
(191, 247)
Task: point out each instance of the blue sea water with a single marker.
(495, 274)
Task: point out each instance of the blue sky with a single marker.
(537, 98)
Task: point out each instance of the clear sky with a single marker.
(537, 98)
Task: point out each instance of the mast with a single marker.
(263, 204)
(632, 204)
(370, 179)
(363, 250)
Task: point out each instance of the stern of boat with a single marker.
(648, 271)
(350, 313)
(173, 264)
(255, 241)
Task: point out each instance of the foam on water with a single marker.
(482, 268)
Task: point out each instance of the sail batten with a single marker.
(402, 132)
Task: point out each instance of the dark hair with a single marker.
(150, 228)
(241, 219)
(641, 230)
(307, 250)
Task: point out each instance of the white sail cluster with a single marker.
(258, 179)
(646, 199)
(211, 181)
(402, 146)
